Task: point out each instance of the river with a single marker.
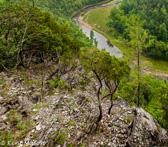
(102, 41)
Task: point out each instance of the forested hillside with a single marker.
(57, 89)
(61, 10)
(86, 2)
(154, 15)
(27, 32)
(64, 8)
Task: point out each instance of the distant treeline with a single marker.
(64, 8)
(86, 2)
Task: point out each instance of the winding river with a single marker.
(102, 41)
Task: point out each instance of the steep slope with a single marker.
(48, 99)
(67, 117)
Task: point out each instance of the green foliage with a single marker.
(70, 145)
(137, 40)
(62, 10)
(82, 145)
(2, 80)
(71, 123)
(89, 99)
(73, 105)
(59, 105)
(154, 15)
(61, 84)
(61, 137)
(122, 110)
(95, 42)
(98, 132)
(87, 2)
(153, 95)
(136, 33)
(146, 123)
(104, 67)
(128, 119)
(20, 124)
(36, 106)
(117, 20)
(103, 64)
(58, 83)
(69, 100)
(59, 8)
(82, 13)
(13, 116)
(29, 32)
(91, 36)
(5, 138)
(83, 82)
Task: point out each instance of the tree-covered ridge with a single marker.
(154, 15)
(86, 2)
(59, 8)
(63, 8)
(28, 32)
(60, 11)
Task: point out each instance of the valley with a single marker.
(98, 18)
(83, 73)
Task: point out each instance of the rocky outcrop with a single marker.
(66, 117)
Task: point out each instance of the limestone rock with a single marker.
(3, 110)
(69, 116)
(2, 126)
(2, 75)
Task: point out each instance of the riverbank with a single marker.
(98, 18)
(87, 7)
(80, 20)
(103, 42)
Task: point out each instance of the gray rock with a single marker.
(3, 117)
(3, 110)
(38, 127)
(36, 118)
(13, 88)
(35, 110)
(33, 131)
(2, 75)
(1, 98)
(52, 120)
(109, 144)
(35, 97)
(2, 126)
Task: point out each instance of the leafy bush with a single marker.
(61, 137)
